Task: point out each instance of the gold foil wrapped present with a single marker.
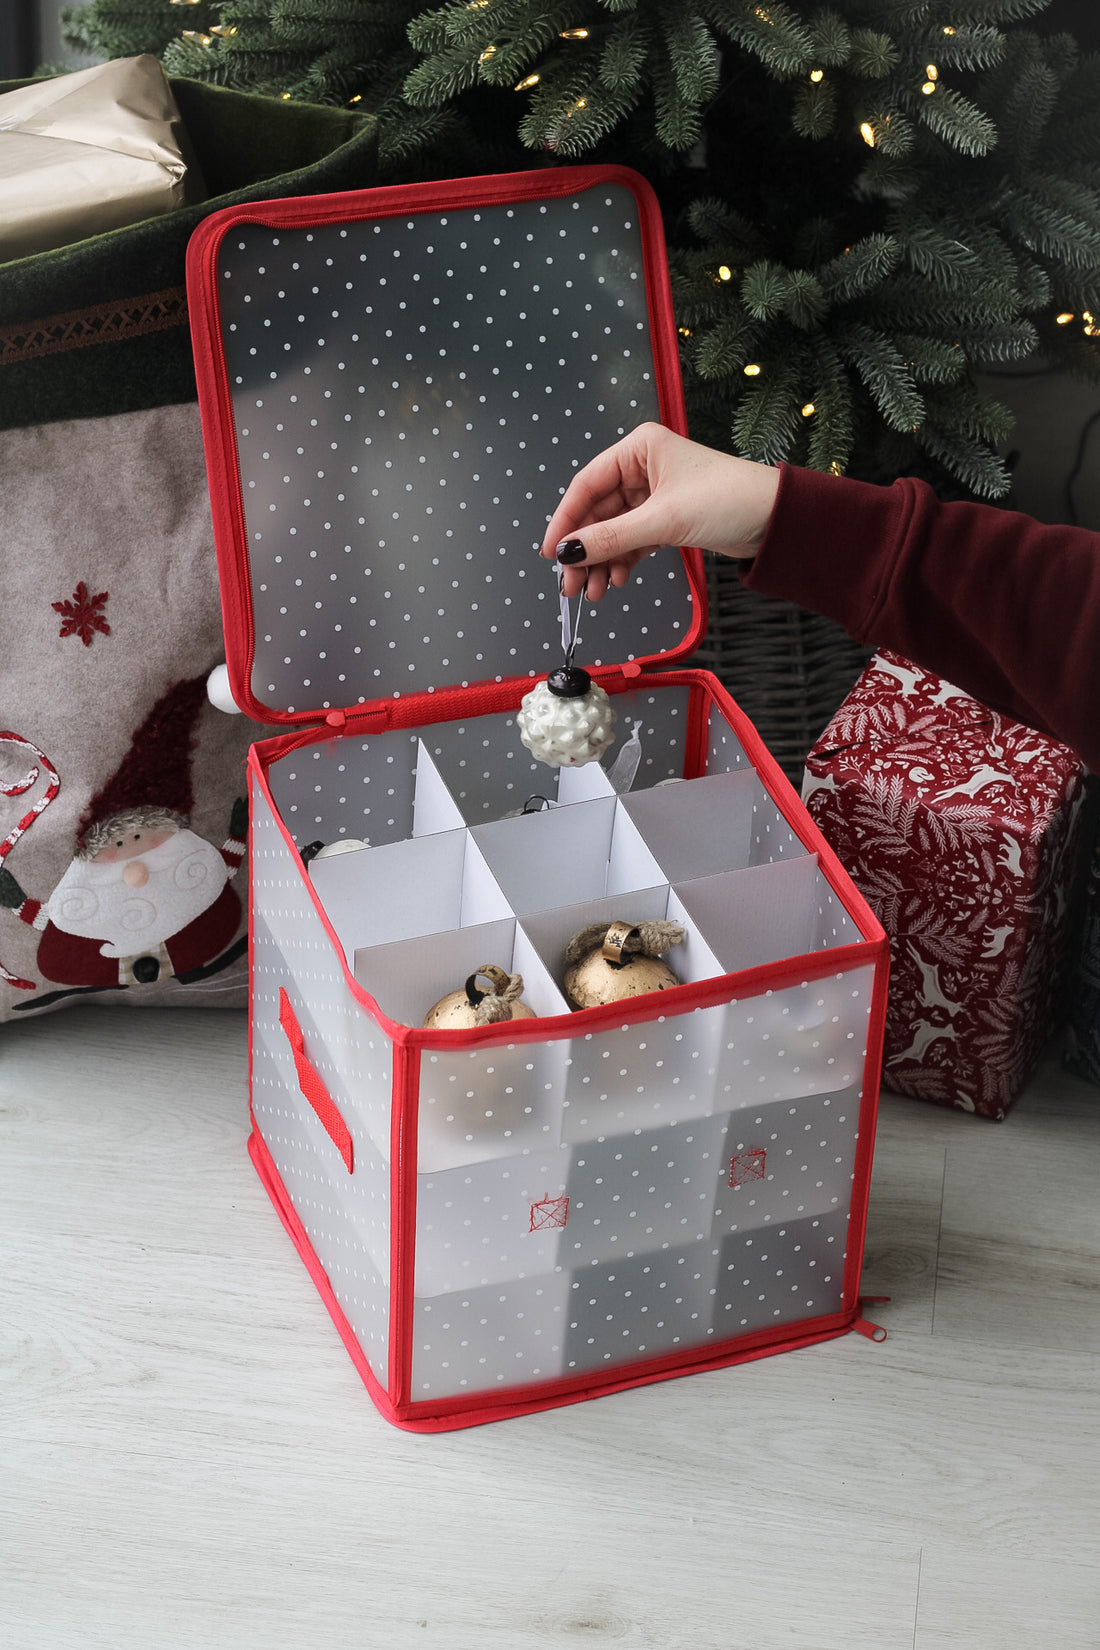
(87, 152)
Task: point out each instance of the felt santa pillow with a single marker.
(123, 822)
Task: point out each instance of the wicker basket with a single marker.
(789, 670)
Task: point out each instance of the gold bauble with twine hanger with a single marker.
(608, 963)
(470, 1006)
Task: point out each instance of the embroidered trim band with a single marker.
(99, 324)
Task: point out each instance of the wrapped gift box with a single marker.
(395, 385)
(962, 829)
(91, 151)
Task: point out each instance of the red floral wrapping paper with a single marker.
(962, 830)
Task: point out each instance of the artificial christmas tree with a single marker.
(867, 204)
(866, 201)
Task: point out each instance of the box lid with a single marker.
(396, 386)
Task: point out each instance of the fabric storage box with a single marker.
(393, 385)
(962, 829)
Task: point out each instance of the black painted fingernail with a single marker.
(570, 551)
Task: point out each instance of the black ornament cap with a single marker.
(569, 682)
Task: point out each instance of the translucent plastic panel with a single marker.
(411, 396)
(642, 1076)
(809, 1038)
(789, 1159)
(639, 1192)
(488, 1222)
(482, 1340)
(766, 913)
(636, 1307)
(787, 1273)
(482, 1103)
(291, 949)
(346, 1217)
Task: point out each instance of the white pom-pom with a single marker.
(217, 691)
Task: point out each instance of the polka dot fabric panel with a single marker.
(410, 398)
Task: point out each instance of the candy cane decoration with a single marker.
(19, 788)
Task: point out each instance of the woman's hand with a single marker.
(655, 488)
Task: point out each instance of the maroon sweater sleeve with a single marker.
(998, 604)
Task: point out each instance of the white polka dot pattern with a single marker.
(410, 398)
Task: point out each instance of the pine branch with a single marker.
(882, 369)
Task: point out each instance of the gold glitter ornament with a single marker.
(609, 963)
(469, 1006)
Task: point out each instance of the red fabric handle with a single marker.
(313, 1088)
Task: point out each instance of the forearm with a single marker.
(1001, 606)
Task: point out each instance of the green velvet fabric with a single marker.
(248, 148)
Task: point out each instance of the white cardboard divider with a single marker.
(408, 977)
(693, 958)
(394, 891)
(702, 833)
(583, 784)
(550, 931)
(759, 915)
(482, 898)
(434, 808)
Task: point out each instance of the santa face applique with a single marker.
(145, 898)
(154, 899)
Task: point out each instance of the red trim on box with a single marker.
(451, 1413)
(681, 999)
(404, 1134)
(312, 1085)
(216, 403)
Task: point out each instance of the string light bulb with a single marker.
(1064, 319)
(725, 273)
(490, 51)
(524, 85)
(752, 370)
(947, 29)
(226, 30)
(867, 133)
(573, 34)
(816, 75)
(198, 37)
(808, 410)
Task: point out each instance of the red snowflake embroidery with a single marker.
(81, 614)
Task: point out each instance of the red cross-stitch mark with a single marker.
(551, 1212)
(81, 614)
(747, 1166)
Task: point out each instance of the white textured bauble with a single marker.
(218, 691)
(566, 732)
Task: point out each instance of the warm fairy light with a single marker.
(685, 332)
(286, 97)
(197, 37)
(752, 370)
(725, 273)
(1086, 316)
(867, 133)
(947, 29)
(1091, 332)
(808, 410)
(574, 34)
(931, 71)
(184, 2)
(522, 85)
(816, 75)
(224, 29)
(928, 88)
(1064, 319)
(490, 51)
(834, 469)
(358, 98)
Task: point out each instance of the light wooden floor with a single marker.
(188, 1460)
